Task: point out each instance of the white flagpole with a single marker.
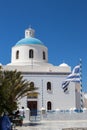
(42, 93)
(81, 95)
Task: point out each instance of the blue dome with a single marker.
(29, 40)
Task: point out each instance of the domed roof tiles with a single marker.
(29, 40)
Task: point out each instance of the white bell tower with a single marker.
(29, 50)
(29, 32)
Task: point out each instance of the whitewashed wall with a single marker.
(59, 99)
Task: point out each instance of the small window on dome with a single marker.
(31, 53)
(17, 54)
(44, 56)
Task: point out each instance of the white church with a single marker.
(30, 56)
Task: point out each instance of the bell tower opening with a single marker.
(29, 32)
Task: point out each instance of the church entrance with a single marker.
(32, 105)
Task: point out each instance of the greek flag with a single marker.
(73, 77)
(65, 86)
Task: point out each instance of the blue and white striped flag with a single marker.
(76, 69)
(73, 77)
(65, 86)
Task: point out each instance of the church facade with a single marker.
(30, 56)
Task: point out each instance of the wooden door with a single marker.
(32, 105)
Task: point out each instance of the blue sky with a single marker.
(60, 24)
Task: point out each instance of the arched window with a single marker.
(49, 86)
(33, 94)
(31, 85)
(49, 105)
(44, 56)
(17, 54)
(31, 55)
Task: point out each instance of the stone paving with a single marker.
(54, 125)
(56, 121)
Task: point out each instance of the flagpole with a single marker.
(81, 95)
(42, 93)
